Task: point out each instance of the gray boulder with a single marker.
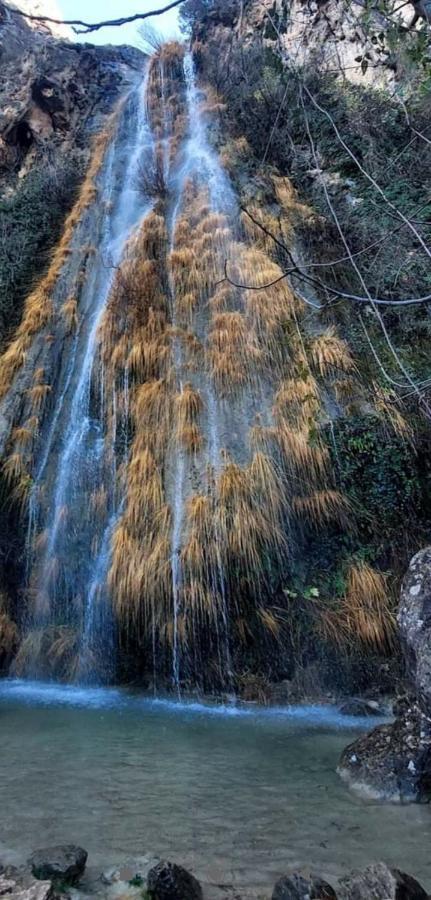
(394, 761)
(378, 882)
(167, 881)
(300, 887)
(40, 890)
(59, 864)
(16, 888)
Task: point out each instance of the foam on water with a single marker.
(36, 693)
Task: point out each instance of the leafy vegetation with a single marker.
(380, 474)
(30, 224)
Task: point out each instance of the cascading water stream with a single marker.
(75, 439)
(201, 164)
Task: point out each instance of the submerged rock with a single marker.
(167, 881)
(394, 761)
(357, 706)
(64, 863)
(299, 887)
(379, 882)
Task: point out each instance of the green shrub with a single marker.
(30, 224)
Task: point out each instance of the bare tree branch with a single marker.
(87, 27)
(297, 272)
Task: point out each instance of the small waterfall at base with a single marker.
(74, 504)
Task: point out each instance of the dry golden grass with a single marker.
(321, 507)
(366, 613)
(190, 437)
(140, 573)
(270, 308)
(233, 354)
(37, 396)
(166, 102)
(329, 354)
(262, 438)
(22, 437)
(268, 225)
(234, 151)
(267, 485)
(298, 401)
(188, 406)
(49, 652)
(247, 514)
(14, 468)
(21, 492)
(171, 54)
(269, 621)
(38, 306)
(305, 464)
(387, 405)
(69, 311)
(287, 198)
(367, 607)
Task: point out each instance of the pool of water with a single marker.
(237, 794)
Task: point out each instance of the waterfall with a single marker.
(77, 465)
(155, 509)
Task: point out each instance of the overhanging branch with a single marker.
(81, 27)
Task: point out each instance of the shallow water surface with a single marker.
(238, 794)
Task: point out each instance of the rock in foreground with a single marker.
(394, 761)
(64, 863)
(378, 882)
(16, 889)
(167, 881)
(388, 763)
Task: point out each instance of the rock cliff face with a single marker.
(394, 761)
(414, 619)
(53, 92)
(331, 34)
